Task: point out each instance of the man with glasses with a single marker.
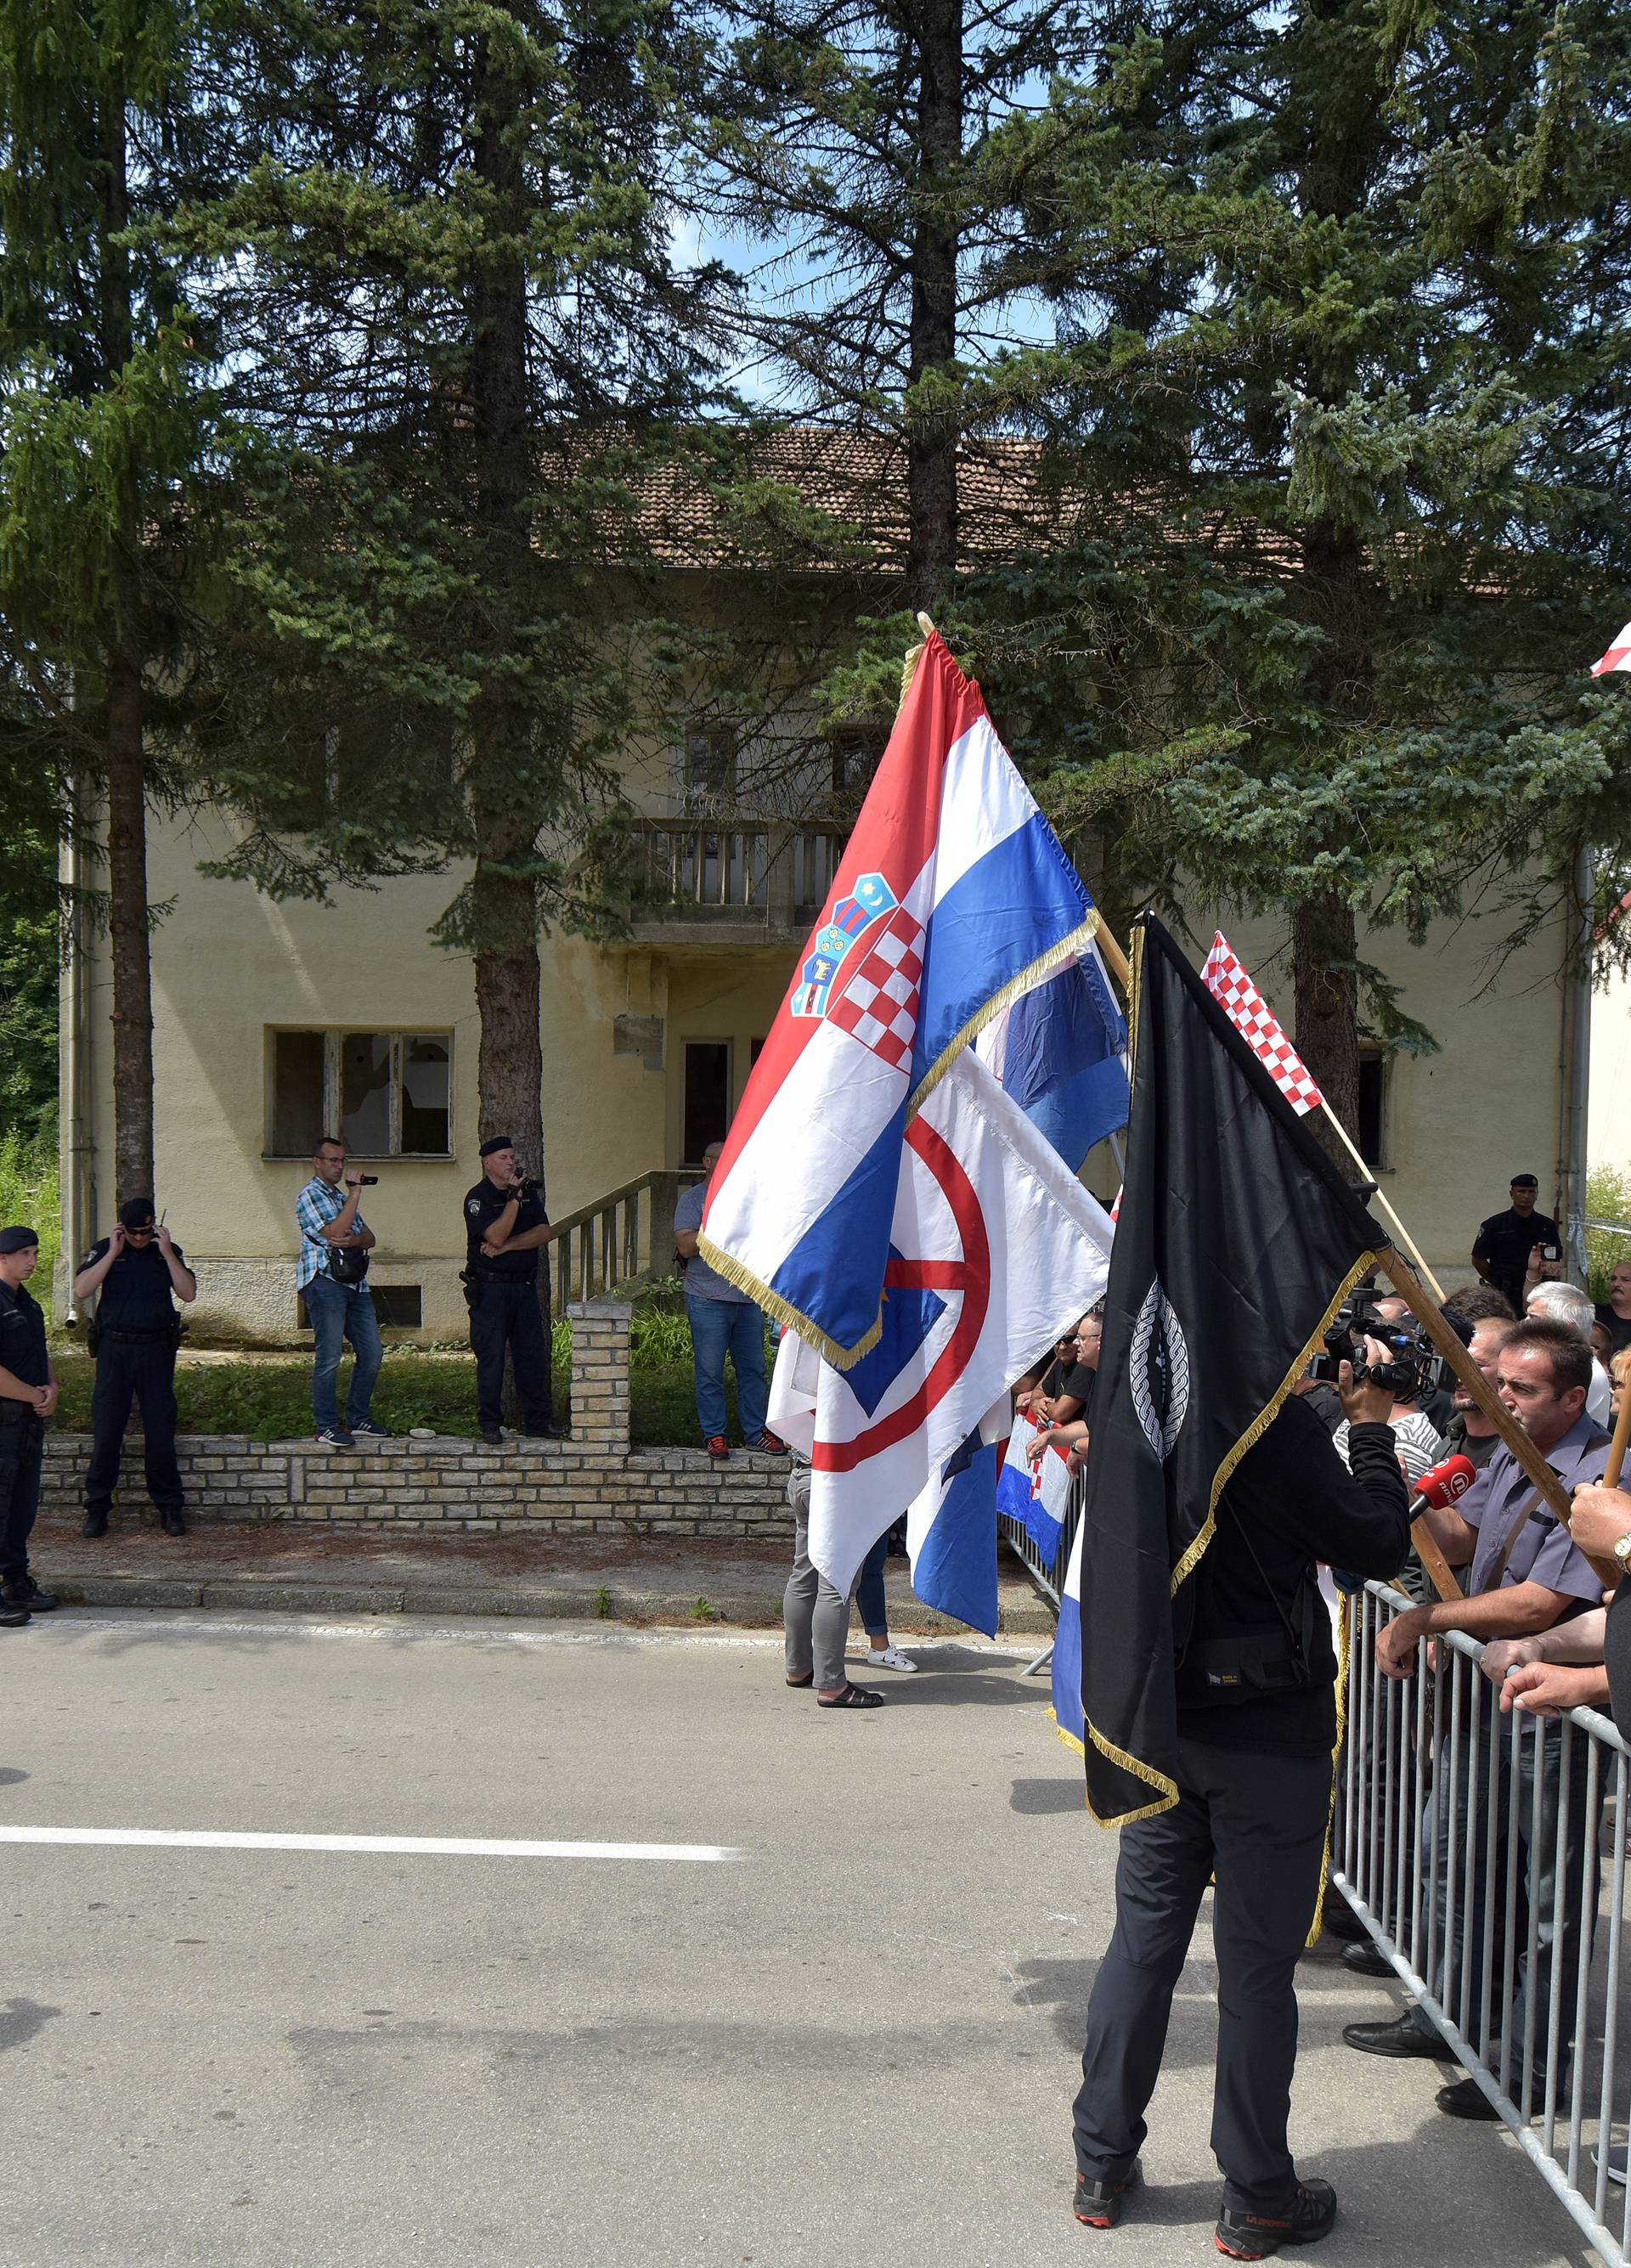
(136, 1274)
(332, 1274)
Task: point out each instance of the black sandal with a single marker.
(853, 1696)
(809, 1679)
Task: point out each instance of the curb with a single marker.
(740, 1610)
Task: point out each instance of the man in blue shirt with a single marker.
(1526, 1576)
(332, 1270)
(724, 1321)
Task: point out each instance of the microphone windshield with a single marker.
(1444, 1483)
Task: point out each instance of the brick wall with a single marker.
(593, 1483)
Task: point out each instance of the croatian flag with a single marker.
(992, 1247)
(953, 894)
(1061, 1051)
(951, 1531)
(1617, 657)
(1068, 1710)
(1225, 978)
(1036, 1494)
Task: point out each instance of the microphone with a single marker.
(1442, 1483)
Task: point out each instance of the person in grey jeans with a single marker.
(816, 1618)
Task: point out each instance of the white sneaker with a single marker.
(890, 1658)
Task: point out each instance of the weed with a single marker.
(702, 1612)
(602, 1604)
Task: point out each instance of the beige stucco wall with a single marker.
(1609, 1118)
(227, 964)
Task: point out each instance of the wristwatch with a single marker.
(1622, 1551)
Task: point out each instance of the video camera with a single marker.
(1411, 1371)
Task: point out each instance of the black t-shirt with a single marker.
(1504, 1243)
(1618, 1327)
(482, 1205)
(1298, 1503)
(22, 1339)
(136, 1291)
(1078, 1381)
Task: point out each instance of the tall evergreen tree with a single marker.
(1338, 414)
(106, 424)
(464, 334)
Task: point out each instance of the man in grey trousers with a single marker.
(815, 1619)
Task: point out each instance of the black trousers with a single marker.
(22, 1454)
(509, 1316)
(145, 1375)
(1260, 1822)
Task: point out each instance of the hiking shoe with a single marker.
(1245, 2235)
(24, 1591)
(717, 1445)
(333, 1437)
(95, 1524)
(1098, 2204)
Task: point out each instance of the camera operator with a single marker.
(332, 1271)
(505, 1227)
(1396, 1355)
(137, 1274)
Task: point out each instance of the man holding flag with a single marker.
(1209, 1714)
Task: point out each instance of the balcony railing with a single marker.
(745, 873)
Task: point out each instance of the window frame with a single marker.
(333, 1037)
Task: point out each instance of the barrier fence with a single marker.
(1485, 1854)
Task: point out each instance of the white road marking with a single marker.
(440, 1846)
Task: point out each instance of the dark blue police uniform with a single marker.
(136, 1337)
(504, 1311)
(22, 1432)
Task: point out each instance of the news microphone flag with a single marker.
(992, 1248)
(1061, 1051)
(953, 896)
(1226, 979)
(1617, 657)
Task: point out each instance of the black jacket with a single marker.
(1296, 1502)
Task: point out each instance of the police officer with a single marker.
(137, 1274)
(1506, 1241)
(506, 1227)
(1257, 1726)
(28, 1396)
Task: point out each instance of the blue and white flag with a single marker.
(993, 1247)
(1067, 1710)
(951, 1534)
(953, 894)
(1061, 1051)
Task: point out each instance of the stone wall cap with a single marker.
(616, 1310)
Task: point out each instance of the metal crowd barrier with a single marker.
(1473, 1847)
(1048, 1575)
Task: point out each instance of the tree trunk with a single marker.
(1324, 945)
(128, 933)
(510, 1069)
(932, 435)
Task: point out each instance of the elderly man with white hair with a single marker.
(1563, 1303)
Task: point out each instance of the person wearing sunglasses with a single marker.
(136, 1274)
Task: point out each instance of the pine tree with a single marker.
(107, 422)
(1337, 420)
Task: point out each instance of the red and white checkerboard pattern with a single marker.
(1250, 1014)
(1617, 657)
(878, 1005)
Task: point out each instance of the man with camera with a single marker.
(136, 1274)
(505, 1228)
(332, 1271)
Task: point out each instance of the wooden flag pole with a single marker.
(1617, 1444)
(1433, 1560)
(1393, 1220)
(1545, 1483)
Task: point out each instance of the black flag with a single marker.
(1236, 1241)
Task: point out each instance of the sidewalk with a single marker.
(317, 1571)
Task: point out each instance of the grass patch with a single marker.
(29, 1193)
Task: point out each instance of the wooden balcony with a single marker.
(733, 881)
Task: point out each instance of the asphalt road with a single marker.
(855, 2041)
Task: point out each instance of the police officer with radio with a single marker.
(29, 1395)
(136, 1274)
(505, 1228)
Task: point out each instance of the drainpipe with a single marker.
(1572, 1163)
(78, 1151)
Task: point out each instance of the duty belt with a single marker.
(503, 1275)
(117, 1335)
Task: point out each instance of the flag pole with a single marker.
(1394, 1222)
(1622, 1436)
(1545, 1483)
(1433, 1560)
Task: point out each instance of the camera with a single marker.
(1408, 1371)
(368, 1181)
